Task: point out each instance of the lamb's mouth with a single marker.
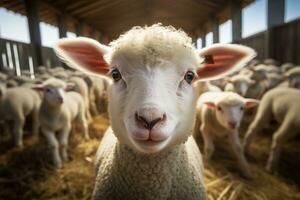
(149, 142)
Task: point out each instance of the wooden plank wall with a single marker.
(285, 43)
(14, 53)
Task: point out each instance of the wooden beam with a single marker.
(215, 27)
(236, 16)
(62, 25)
(79, 28)
(275, 12)
(34, 29)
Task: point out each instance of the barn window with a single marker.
(71, 35)
(292, 10)
(209, 39)
(254, 18)
(16, 28)
(225, 32)
(199, 43)
(49, 34)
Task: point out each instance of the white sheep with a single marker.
(220, 115)
(293, 77)
(286, 66)
(283, 105)
(81, 87)
(270, 61)
(57, 112)
(239, 84)
(16, 104)
(148, 153)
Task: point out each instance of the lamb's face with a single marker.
(294, 81)
(241, 86)
(152, 106)
(230, 115)
(229, 109)
(54, 95)
(152, 102)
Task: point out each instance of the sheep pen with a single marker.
(27, 174)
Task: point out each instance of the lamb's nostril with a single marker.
(147, 124)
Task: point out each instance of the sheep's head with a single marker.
(54, 91)
(152, 100)
(241, 83)
(229, 108)
(293, 77)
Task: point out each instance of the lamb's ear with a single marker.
(223, 59)
(210, 104)
(249, 103)
(38, 87)
(69, 86)
(84, 54)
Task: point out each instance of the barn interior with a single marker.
(27, 173)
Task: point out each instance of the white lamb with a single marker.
(220, 115)
(293, 77)
(148, 153)
(239, 84)
(283, 105)
(16, 104)
(57, 112)
(81, 87)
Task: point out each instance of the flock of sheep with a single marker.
(56, 101)
(157, 108)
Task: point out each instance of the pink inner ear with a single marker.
(221, 60)
(210, 105)
(87, 56)
(251, 103)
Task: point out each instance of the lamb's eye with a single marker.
(116, 75)
(48, 90)
(219, 108)
(189, 76)
(242, 108)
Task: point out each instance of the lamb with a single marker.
(283, 105)
(239, 84)
(270, 61)
(286, 66)
(57, 112)
(81, 87)
(16, 104)
(149, 153)
(293, 77)
(220, 114)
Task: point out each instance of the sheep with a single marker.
(57, 112)
(239, 84)
(273, 79)
(293, 77)
(202, 87)
(283, 105)
(270, 61)
(148, 152)
(220, 114)
(81, 87)
(286, 66)
(16, 104)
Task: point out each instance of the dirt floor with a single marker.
(27, 174)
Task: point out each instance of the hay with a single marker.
(27, 174)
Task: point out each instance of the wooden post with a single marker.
(34, 29)
(203, 40)
(236, 16)
(215, 30)
(275, 13)
(275, 17)
(62, 25)
(79, 29)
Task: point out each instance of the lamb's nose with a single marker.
(149, 117)
(232, 124)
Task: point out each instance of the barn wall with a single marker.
(281, 42)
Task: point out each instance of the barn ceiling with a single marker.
(112, 17)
